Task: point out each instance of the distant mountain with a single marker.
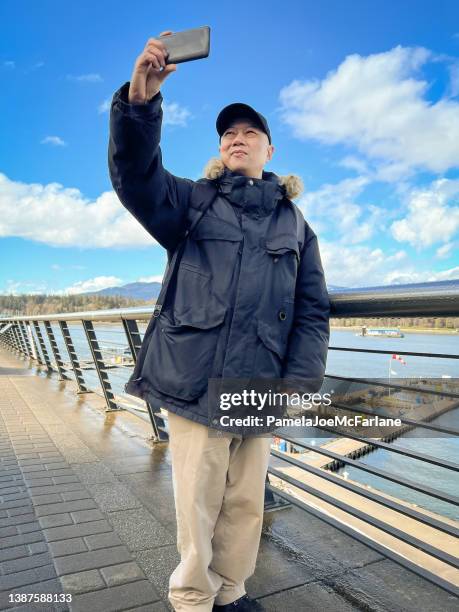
(150, 291)
(137, 291)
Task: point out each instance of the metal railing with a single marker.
(57, 343)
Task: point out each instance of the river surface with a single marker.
(360, 365)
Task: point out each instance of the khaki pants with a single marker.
(219, 497)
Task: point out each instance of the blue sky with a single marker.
(362, 100)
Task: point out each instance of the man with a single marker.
(244, 296)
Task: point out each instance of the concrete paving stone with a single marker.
(115, 599)
(102, 540)
(78, 456)
(46, 586)
(18, 540)
(8, 531)
(72, 495)
(62, 488)
(24, 563)
(39, 482)
(67, 547)
(26, 577)
(50, 454)
(55, 520)
(12, 470)
(57, 508)
(30, 469)
(83, 516)
(50, 498)
(26, 509)
(29, 527)
(93, 473)
(15, 503)
(10, 481)
(48, 473)
(158, 565)
(329, 550)
(37, 547)
(3, 514)
(389, 586)
(58, 465)
(314, 597)
(14, 496)
(91, 560)
(122, 573)
(139, 529)
(113, 496)
(46, 461)
(21, 456)
(46, 572)
(76, 531)
(82, 582)
(65, 479)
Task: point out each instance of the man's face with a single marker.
(244, 148)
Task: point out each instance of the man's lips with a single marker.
(239, 152)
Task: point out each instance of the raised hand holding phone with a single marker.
(150, 71)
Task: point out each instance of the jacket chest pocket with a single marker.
(205, 271)
(282, 261)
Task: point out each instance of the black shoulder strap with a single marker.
(207, 192)
(300, 225)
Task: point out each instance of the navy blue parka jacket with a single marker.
(248, 301)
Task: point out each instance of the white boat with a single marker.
(381, 332)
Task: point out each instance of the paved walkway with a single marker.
(86, 508)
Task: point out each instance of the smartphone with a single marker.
(187, 45)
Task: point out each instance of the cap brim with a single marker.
(238, 110)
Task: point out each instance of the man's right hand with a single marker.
(147, 76)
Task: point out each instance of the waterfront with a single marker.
(343, 363)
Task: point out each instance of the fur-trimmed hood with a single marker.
(291, 182)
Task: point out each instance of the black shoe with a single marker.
(243, 604)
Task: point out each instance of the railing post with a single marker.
(131, 330)
(82, 388)
(56, 353)
(100, 366)
(28, 349)
(19, 339)
(273, 502)
(44, 350)
(35, 351)
(14, 336)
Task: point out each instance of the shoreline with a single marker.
(408, 330)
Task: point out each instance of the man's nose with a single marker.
(239, 139)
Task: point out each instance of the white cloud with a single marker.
(378, 105)
(54, 140)
(332, 209)
(158, 278)
(92, 284)
(174, 114)
(363, 266)
(444, 251)
(86, 78)
(430, 219)
(10, 65)
(63, 217)
(104, 107)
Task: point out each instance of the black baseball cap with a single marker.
(238, 110)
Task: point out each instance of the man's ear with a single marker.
(270, 153)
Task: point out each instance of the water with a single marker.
(343, 363)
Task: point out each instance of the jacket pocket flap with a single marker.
(201, 318)
(282, 244)
(271, 339)
(211, 228)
